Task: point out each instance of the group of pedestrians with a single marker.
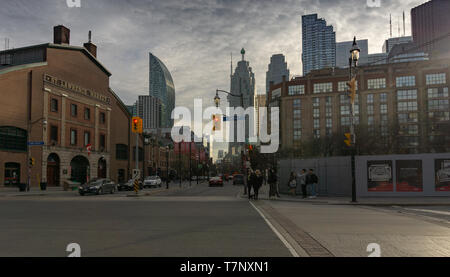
(255, 181)
(304, 180)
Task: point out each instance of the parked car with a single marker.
(129, 186)
(152, 181)
(97, 186)
(238, 179)
(216, 181)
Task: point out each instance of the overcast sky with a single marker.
(195, 38)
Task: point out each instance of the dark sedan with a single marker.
(97, 186)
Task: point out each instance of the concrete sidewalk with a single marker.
(364, 201)
(349, 231)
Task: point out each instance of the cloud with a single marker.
(194, 38)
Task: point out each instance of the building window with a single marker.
(297, 104)
(121, 152)
(370, 120)
(407, 118)
(102, 118)
(297, 113)
(297, 134)
(316, 113)
(54, 105)
(345, 110)
(87, 113)
(74, 110)
(344, 99)
(407, 106)
(407, 95)
(12, 138)
(383, 109)
(296, 90)
(378, 83)
(370, 109)
(369, 98)
(297, 124)
(383, 97)
(54, 133)
(329, 123)
(102, 142)
(329, 101)
(329, 112)
(316, 124)
(436, 79)
(73, 137)
(345, 121)
(439, 116)
(87, 138)
(440, 105)
(405, 81)
(437, 92)
(316, 134)
(316, 101)
(323, 87)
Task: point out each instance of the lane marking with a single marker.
(283, 240)
(429, 211)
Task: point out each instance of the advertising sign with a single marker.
(442, 170)
(379, 175)
(409, 176)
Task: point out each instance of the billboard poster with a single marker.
(409, 175)
(379, 175)
(442, 169)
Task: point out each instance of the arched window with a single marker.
(12, 138)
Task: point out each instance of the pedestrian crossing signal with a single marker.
(137, 125)
(348, 140)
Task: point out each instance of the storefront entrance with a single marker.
(53, 170)
(101, 172)
(80, 169)
(12, 174)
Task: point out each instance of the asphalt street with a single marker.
(197, 222)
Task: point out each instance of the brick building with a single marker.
(403, 102)
(58, 95)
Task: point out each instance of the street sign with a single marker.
(235, 118)
(136, 174)
(35, 143)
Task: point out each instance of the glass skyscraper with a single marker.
(163, 88)
(319, 44)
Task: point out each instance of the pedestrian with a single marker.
(292, 183)
(250, 181)
(272, 180)
(301, 181)
(258, 182)
(312, 180)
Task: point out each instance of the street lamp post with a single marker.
(353, 63)
(217, 102)
(167, 167)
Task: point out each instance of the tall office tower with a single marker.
(431, 26)
(277, 69)
(163, 88)
(391, 42)
(133, 109)
(343, 51)
(242, 83)
(319, 44)
(149, 109)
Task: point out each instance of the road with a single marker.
(199, 221)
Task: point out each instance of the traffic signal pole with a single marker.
(352, 85)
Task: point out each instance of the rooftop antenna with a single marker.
(90, 36)
(390, 23)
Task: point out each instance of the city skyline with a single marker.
(195, 47)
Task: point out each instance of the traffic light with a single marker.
(216, 122)
(32, 162)
(137, 125)
(352, 90)
(348, 140)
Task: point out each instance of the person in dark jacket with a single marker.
(272, 180)
(258, 181)
(250, 181)
(312, 180)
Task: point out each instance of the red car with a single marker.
(215, 181)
